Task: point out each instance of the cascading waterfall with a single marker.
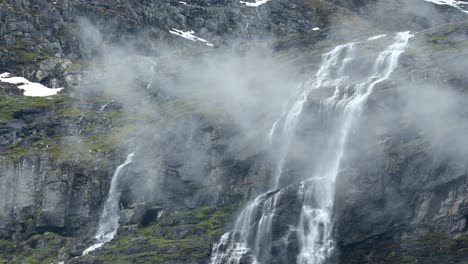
(109, 219)
(251, 239)
(345, 106)
(152, 71)
(103, 107)
(333, 63)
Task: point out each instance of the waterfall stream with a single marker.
(253, 239)
(109, 219)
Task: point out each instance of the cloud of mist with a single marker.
(439, 113)
(247, 88)
(178, 95)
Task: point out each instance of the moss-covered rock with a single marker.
(179, 237)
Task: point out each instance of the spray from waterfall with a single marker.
(152, 73)
(251, 241)
(109, 219)
(332, 64)
(345, 107)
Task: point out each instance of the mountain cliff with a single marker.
(214, 131)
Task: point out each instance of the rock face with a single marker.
(401, 195)
(41, 190)
(412, 194)
(33, 31)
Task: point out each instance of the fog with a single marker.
(247, 88)
(200, 111)
(440, 114)
(173, 95)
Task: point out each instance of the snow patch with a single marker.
(460, 5)
(30, 88)
(257, 3)
(189, 35)
(377, 37)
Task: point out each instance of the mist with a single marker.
(171, 96)
(247, 88)
(439, 114)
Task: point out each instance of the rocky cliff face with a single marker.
(414, 192)
(401, 199)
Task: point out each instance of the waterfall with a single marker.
(152, 71)
(316, 223)
(103, 107)
(251, 241)
(333, 63)
(109, 219)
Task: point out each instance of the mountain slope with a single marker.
(198, 116)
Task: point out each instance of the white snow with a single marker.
(30, 88)
(190, 35)
(457, 4)
(377, 37)
(316, 29)
(257, 3)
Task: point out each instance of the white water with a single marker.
(346, 104)
(332, 64)
(152, 73)
(377, 37)
(103, 107)
(109, 219)
(252, 235)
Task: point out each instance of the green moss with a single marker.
(437, 42)
(79, 65)
(85, 148)
(29, 260)
(440, 38)
(112, 114)
(10, 104)
(48, 252)
(71, 111)
(109, 140)
(416, 143)
(94, 138)
(30, 223)
(18, 149)
(5, 243)
(27, 55)
(149, 230)
(462, 237)
(409, 260)
(430, 238)
(323, 6)
(205, 225)
(124, 240)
